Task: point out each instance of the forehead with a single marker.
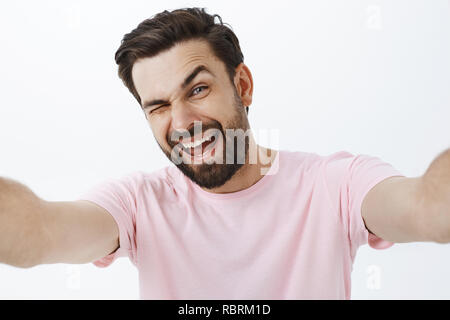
(159, 76)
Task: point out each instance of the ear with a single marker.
(243, 82)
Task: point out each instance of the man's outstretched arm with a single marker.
(34, 231)
(401, 209)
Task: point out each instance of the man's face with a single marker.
(191, 105)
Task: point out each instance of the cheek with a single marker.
(160, 129)
(223, 106)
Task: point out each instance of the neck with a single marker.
(251, 172)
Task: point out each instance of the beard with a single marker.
(214, 175)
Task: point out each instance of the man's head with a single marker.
(187, 73)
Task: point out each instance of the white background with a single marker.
(369, 77)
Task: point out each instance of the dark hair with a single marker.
(166, 29)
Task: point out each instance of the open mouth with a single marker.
(200, 147)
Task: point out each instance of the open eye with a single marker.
(198, 91)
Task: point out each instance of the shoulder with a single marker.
(337, 161)
(309, 166)
(138, 182)
(310, 162)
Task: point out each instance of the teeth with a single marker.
(195, 144)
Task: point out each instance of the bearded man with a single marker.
(230, 219)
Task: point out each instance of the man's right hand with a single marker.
(34, 231)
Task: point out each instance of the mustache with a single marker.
(194, 128)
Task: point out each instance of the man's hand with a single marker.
(34, 231)
(402, 209)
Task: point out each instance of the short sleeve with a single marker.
(349, 178)
(118, 196)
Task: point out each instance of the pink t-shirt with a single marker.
(292, 235)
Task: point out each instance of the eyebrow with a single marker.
(184, 84)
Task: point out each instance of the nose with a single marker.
(183, 116)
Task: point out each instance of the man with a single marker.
(231, 219)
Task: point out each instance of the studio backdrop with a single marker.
(368, 77)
